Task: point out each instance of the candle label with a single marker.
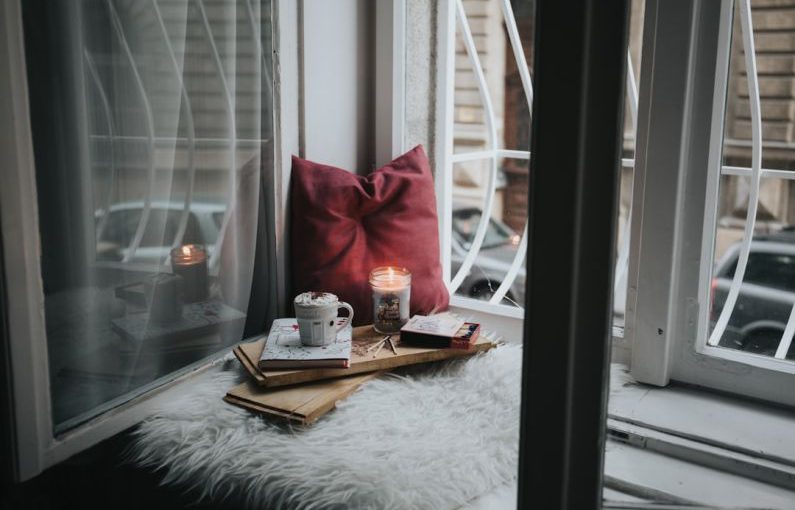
(388, 308)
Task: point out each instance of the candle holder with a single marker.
(391, 288)
(161, 292)
(190, 262)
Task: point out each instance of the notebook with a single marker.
(443, 325)
(283, 349)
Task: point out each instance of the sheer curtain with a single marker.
(160, 111)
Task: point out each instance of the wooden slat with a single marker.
(770, 131)
(782, 64)
(302, 404)
(768, 88)
(775, 41)
(774, 19)
(772, 109)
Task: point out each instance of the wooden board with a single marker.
(301, 404)
(361, 360)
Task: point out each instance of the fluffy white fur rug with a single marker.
(432, 437)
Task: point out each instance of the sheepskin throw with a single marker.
(430, 437)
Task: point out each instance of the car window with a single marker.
(161, 228)
(775, 270)
(120, 227)
(465, 225)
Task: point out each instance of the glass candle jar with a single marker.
(190, 262)
(391, 288)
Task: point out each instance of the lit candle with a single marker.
(190, 263)
(391, 288)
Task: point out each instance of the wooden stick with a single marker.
(392, 345)
(377, 344)
(380, 346)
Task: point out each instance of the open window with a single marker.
(713, 204)
(483, 168)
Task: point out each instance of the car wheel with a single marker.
(764, 342)
(481, 290)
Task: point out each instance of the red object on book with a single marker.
(465, 338)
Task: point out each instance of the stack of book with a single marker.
(297, 383)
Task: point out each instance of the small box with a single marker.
(466, 336)
(422, 332)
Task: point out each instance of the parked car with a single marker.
(766, 296)
(492, 262)
(204, 223)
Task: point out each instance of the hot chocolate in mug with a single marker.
(316, 313)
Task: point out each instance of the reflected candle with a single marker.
(391, 288)
(190, 262)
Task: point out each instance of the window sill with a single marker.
(718, 441)
(124, 415)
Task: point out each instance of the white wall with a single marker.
(338, 79)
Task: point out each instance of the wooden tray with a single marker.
(361, 360)
(301, 404)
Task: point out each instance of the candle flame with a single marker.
(186, 250)
(391, 272)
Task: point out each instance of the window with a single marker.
(486, 162)
(482, 176)
(715, 217)
(167, 142)
(138, 129)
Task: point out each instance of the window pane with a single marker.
(151, 123)
(492, 115)
(756, 319)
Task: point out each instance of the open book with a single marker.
(283, 349)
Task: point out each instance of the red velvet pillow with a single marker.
(343, 225)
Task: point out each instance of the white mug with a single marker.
(316, 313)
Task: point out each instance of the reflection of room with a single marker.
(145, 248)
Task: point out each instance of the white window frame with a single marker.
(678, 164)
(36, 446)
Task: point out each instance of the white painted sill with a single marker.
(749, 439)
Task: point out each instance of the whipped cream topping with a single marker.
(316, 299)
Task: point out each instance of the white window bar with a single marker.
(622, 261)
(500, 153)
(215, 257)
(150, 126)
(527, 86)
(168, 141)
(786, 337)
(183, 220)
(485, 217)
(756, 165)
(764, 172)
(92, 71)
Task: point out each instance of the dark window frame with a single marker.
(579, 65)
